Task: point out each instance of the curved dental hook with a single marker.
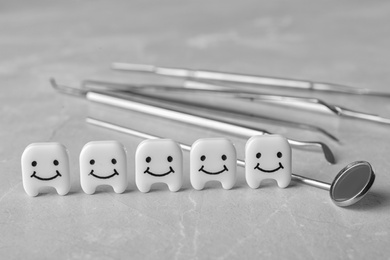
(68, 90)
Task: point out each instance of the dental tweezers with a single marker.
(117, 101)
(247, 79)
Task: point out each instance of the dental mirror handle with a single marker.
(241, 163)
(299, 178)
(311, 182)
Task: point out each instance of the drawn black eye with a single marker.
(202, 158)
(279, 154)
(224, 157)
(258, 155)
(92, 162)
(34, 163)
(148, 159)
(55, 162)
(113, 161)
(169, 158)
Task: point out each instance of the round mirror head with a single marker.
(352, 183)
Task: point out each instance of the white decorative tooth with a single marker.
(158, 161)
(103, 163)
(268, 157)
(45, 165)
(213, 159)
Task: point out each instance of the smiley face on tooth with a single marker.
(103, 163)
(268, 157)
(113, 161)
(158, 161)
(149, 159)
(45, 164)
(213, 159)
(280, 165)
(203, 158)
(34, 175)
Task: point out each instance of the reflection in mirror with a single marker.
(352, 183)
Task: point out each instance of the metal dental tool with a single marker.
(349, 186)
(254, 94)
(307, 103)
(247, 79)
(207, 100)
(187, 95)
(111, 99)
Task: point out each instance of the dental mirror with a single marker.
(350, 185)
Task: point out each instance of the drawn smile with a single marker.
(104, 177)
(45, 179)
(274, 170)
(213, 173)
(159, 175)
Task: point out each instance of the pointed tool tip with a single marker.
(67, 90)
(328, 154)
(53, 83)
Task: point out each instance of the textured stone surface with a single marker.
(344, 42)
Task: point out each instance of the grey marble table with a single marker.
(344, 42)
